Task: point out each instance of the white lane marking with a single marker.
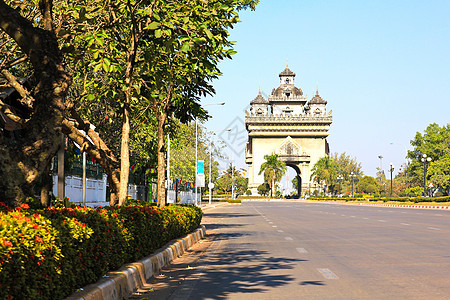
(288, 238)
(366, 218)
(419, 213)
(405, 224)
(279, 230)
(433, 228)
(439, 215)
(403, 212)
(352, 217)
(343, 215)
(301, 250)
(382, 221)
(270, 222)
(274, 225)
(327, 273)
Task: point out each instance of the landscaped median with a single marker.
(50, 253)
(428, 202)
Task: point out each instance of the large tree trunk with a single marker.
(161, 189)
(24, 159)
(124, 157)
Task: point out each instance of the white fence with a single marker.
(96, 191)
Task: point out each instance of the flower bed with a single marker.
(49, 253)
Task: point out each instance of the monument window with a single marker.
(287, 80)
(288, 94)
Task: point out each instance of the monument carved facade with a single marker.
(289, 125)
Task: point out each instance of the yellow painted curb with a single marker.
(121, 283)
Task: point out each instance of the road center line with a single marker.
(279, 230)
(327, 273)
(288, 238)
(382, 221)
(405, 224)
(301, 250)
(433, 228)
(274, 225)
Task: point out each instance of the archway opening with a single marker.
(296, 183)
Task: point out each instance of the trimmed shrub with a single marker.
(49, 253)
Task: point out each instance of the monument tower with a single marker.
(289, 125)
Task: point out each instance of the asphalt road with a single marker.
(304, 250)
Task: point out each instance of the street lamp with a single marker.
(426, 161)
(339, 179)
(353, 177)
(196, 148)
(391, 169)
(210, 184)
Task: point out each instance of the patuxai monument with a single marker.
(289, 125)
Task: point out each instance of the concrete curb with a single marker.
(121, 283)
(406, 206)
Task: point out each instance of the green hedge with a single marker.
(49, 254)
(385, 199)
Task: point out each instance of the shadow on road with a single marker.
(312, 283)
(243, 271)
(229, 215)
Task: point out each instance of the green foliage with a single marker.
(231, 177)
(325, 169)
(416, 191)
(49, 253)
(263, 189)
(435, 143)
(248, 193)
(368, 185)
(273, 170)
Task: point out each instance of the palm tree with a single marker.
(273, 170)
(325, 169)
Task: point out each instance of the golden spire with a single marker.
(317, 89)
(259, 89)
(287, 63)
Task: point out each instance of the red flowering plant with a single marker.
(27, 245)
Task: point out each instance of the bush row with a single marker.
(49, 253)
(386, 199)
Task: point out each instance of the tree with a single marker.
(273, 170)
(325, 169)
(346, 166)
(156, 57)
(33, 136)
(368, 185)
(435, 143)
(263, 189)
(232, 177)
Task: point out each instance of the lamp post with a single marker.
(196, 149)
(426, 161)
(210, 184)
(352, 175)
(391, 169)
(339, 179)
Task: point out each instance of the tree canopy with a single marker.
(435, 143)
(273, 170)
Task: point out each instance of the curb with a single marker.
(121, 283)
(406, 206)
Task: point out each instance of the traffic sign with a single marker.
(431, 185)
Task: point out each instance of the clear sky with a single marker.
(383, 67)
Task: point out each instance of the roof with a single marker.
(281, 90)
(317, 99)
(259, 100)
(287, 72)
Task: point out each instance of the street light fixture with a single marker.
(426, 162)
(210, 184)
(353, 178)
(339, 178)
(196, 149)
(391, 169)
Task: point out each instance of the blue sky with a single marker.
(383, 67)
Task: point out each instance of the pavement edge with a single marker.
(121, 283)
